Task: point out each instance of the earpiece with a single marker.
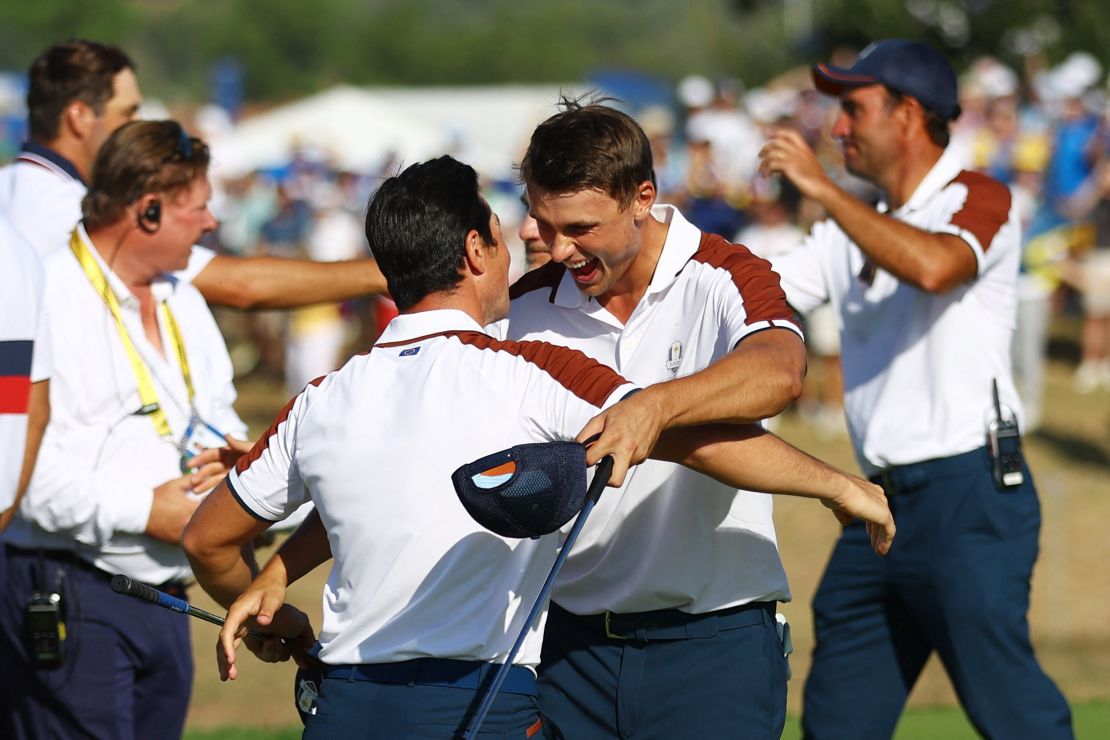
(153, 212)
(151, 218)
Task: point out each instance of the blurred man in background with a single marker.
(925, 290)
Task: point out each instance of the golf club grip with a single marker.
(121, 584)
(602, 473)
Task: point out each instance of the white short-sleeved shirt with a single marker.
(670, 537)
(41, 192)
(24, 356)
(100, 461)
(918, 365)
(374, 444)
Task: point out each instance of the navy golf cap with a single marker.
(525, 491)
(910, 67)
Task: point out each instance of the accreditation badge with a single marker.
(198, 437)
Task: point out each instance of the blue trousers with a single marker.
(720, 676)
(955, 581)
(355, 709)
(128, 669)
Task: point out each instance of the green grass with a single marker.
(1091, 721)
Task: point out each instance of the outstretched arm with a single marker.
(749, 457)
(752, 458)
(759, 378)
(276, 282)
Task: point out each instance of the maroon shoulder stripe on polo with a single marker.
(986, 208)
(544, 277)
(263, 442)
(581, 375)
(758, 284)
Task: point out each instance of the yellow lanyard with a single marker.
(147, 395)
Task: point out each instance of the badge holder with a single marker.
(199, 436)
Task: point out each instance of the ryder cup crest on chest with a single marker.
(674, 357)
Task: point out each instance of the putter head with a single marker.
(525, 491)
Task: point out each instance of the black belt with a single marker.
(459, 674)
(70, 557)
(672, 624)
(901, 479)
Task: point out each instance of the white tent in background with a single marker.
(489, 126)
(352, 128)
(358, 128)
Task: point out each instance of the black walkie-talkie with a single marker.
(1004, 440)
(46, 626)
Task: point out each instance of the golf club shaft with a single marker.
(601, 478)
(121, 584)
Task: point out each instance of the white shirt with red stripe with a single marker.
(918, 365)
(43, 201)
(373, 445)
(24, 353)
(670, 538)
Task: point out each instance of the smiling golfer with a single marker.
(421, 602)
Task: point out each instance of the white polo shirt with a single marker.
(41, 192)
(917, 365)
(24, 355)
(670, 537)
(100, 461)
(373, 445)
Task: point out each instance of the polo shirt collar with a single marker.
(683, 240)
(161, 289)
(943, 172)
(51, 156)
(410, 326)
(680, 245)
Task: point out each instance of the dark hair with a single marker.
(935, 125)
(416, 226)
(141, 157)
(74, 70)
(588, 147)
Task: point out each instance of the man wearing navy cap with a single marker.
(925, 290)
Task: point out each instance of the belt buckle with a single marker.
(609, 632)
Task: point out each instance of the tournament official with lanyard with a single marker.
(141, 383)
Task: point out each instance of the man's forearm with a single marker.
(217, 541)
(756, 380)
(749, 457)
(932, 262)
(276, 282)
(225, 574)
(305, 549)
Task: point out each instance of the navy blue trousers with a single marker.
(367, 710)
(128, 670)
(955, 581)
(720, 681)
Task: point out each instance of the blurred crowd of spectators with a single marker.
(1044, 132)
